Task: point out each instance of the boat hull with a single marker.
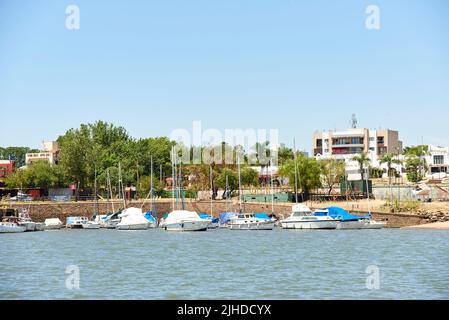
(252, 226)
(11, 229)
(137, 226)
(187, 226)
(91, 226)
(53, 227)
(310, 225)
(360, 225)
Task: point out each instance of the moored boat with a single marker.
(349, 221)
(249, 221)
(75, 222)
(303, 218)
(53, 224)
(183, 220)
(132, 219)
(10, 225)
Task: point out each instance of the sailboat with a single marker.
(213, 221)
(131, 218)
(248, 221)
(229, 213)
(180, 219)
(150, 216)
(90, 224)
(302, 217)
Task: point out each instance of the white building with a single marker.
(345, 145)
(50, 153)
(438, 162)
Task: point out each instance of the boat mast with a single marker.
(181, 194)
(96, 194)
(212, 192)
(271, 186)
(121, 184)
(110, 189)
(173, 176)
(367, 191)
(296, 171)
(240, 184)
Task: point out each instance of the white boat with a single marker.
(25, 221)
(9, 225)
(132, 219)
(349, 221)
(248, 221)
(303, 218)
(183, 220)
(53, 224)
(213, 222)
(76, 222)
(361, 224)
(91, 225)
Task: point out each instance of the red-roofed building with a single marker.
(6, 166)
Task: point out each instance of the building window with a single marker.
(371, 149)
(380, 140)
(438, 159)
(319, 143)
(371, 138)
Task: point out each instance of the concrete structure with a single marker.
(50, 153)
(344, 145)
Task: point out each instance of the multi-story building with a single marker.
(50, 153)
(344, 145)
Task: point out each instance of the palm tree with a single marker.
(389, 159)
(362, 160)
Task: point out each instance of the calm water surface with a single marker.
(224, 264)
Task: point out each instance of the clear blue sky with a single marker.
(153, 66)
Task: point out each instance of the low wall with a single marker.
(41, 211)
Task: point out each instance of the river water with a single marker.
(225, 264)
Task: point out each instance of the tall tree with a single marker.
(362, 160)
(332, 172)
(308, 171)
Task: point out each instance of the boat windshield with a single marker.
(302, 214)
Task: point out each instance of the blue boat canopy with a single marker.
(262, 216)
(339, 213)
(149, 216)
(226, 216)
(205, 216)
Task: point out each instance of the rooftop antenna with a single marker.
(354, 121)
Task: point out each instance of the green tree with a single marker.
(17, 154)
(39, 174)
(415, 168)
(233, 180)
(309, 173)
(332, 172)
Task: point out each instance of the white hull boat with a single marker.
(53, 224)
(132, 219)
(76, 222)
(302, 218)
(91, 225)
(250, 222)
(183, 220)
(10, 227)
(362, 224)
(141, 226)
